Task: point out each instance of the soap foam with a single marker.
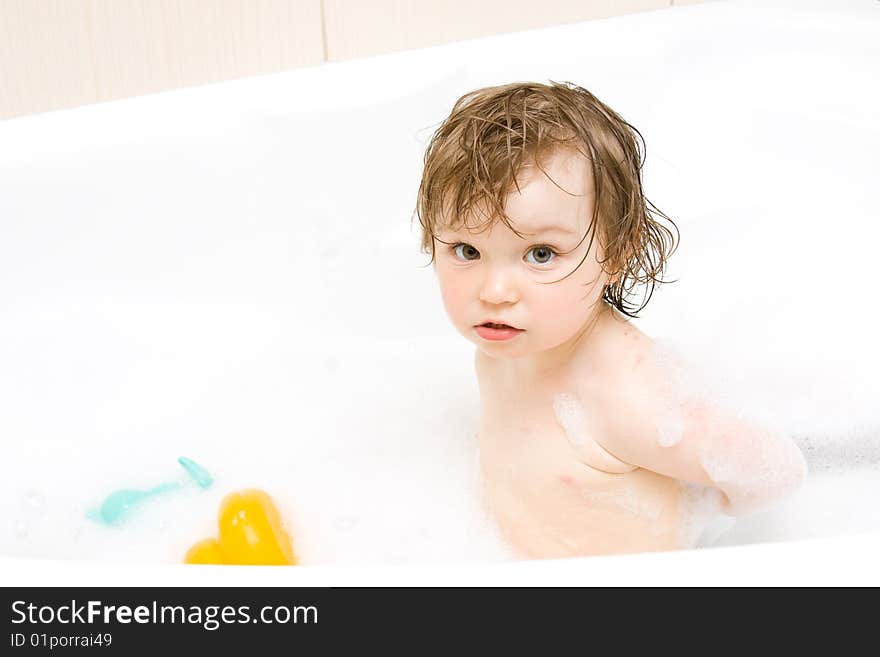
(629, 501)
(571, 417)
(701, 519)
(670, 428)
(754, 469)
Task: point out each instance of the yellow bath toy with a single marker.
(251, 533)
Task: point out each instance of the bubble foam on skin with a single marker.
(701, 519)
(755, 470)
(668, 365)
(571, 417)
(670, 428)
(628, 501)
(753, 464)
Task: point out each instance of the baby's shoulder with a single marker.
(634, 385)
(629, 361)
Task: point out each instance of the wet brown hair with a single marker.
(477, 152)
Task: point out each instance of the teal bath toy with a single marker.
(197, 472)
(116, 506)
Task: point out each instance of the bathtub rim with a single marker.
(849, 560)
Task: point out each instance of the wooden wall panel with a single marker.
(63, 53)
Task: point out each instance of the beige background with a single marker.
(64, 53)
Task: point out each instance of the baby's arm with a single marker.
(694, 440)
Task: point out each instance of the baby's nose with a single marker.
(499, 287)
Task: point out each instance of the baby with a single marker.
(532, 210)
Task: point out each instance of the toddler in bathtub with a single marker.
(532, 209)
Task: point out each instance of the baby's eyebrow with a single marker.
(539, 230)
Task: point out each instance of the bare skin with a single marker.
(553, 498)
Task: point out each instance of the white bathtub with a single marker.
(228, 273)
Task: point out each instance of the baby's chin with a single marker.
(506, 349)
(499, 354)
(524, 345)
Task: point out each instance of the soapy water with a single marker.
(336, 477)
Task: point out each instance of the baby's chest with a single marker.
(534, 461)
(536, 482)
(554, 431)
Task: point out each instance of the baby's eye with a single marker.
(543, 254)
(466, 248)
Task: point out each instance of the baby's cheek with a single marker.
(455, 296)
(560, 309)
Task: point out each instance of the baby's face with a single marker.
(497, 276)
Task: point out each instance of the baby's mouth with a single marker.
(498, 326)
